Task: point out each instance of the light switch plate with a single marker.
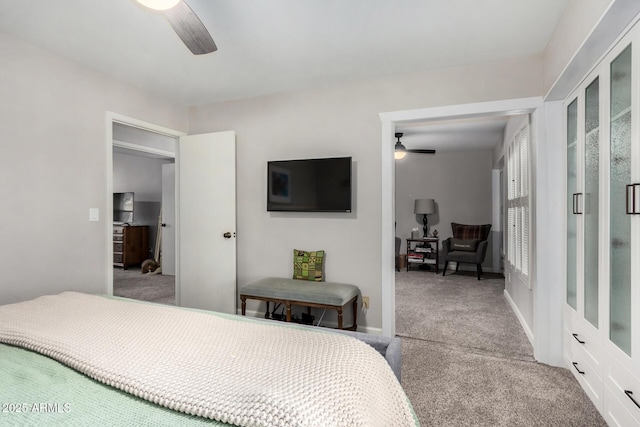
(94, 214)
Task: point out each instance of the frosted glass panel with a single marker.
(620, 222)
(591, 180)
(572, 141)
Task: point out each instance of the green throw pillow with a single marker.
(468, 245)
(308, 265)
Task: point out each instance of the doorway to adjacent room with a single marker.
(143, 242)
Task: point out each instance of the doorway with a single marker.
(144, 240)
(390, 121)
(137, 154)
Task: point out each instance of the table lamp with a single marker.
(424, 207)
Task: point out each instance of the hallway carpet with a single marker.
(467, 362)
(460, 310)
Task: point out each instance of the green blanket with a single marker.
(38, 391)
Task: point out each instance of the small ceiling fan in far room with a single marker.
(185, 23)
(401, 150)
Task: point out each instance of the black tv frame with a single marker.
(279, 197)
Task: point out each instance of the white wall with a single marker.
(460, 184)
(548, 175)
(338, 121)
(52, 168)
(575, 24)
(142, 175)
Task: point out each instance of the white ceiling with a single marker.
(271, 46)
(481, 133)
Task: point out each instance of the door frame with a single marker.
(110, 119)
(389, 121)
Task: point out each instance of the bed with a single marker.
(78, 359)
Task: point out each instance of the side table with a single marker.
(420, 252)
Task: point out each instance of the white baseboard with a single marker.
(520, 317)
(331, 324)
(251, 313)
(370, 330)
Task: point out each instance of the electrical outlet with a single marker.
(365, 302)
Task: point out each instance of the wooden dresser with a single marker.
(130, 245)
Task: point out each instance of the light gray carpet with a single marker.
(449, 387)
(458, 309)
(467, 362)
(145, 287)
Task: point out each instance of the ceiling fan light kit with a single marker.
(159, 4)
(400, 150)
(399, 155)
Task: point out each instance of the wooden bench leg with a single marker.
(355, 314)
(244, 304)
(288, 305)
(266, 315)
(339, 318)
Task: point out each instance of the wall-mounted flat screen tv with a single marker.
(123, 207)
(309, 185)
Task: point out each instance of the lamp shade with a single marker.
(399, 151)
(424, 206)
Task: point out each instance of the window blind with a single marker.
(518, 201)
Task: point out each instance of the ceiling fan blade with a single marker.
(421, 151)
(190, 29)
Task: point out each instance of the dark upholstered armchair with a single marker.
(468, 244)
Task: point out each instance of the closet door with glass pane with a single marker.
(583, 335)
(622, 338)
(620, 327)
(583, 199)
(572, 202)
(590, 279)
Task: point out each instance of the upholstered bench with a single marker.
(303, 293)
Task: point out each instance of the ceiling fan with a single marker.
(185, 23)
(401, 150)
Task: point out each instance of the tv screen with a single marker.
(123, 207)
(309, 185)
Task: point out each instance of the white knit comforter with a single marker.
(215, 366)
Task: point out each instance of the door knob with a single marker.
(227, 235)
(163, 225)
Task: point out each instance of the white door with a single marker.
(207, 220)
(168, 240)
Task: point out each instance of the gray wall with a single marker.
(143, 176)
(339, 121)
(53, 168)
(460, 184)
